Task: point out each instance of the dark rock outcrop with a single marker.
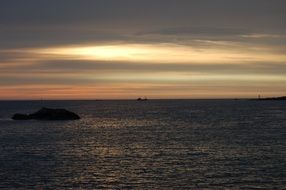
(48, 114)
(273, 98)
(19, 116)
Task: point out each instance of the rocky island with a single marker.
(48, 114)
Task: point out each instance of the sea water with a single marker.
(156, 144)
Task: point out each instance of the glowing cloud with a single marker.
(157, 53)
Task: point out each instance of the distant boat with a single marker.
(142, 99)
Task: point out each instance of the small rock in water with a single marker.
(48, 114)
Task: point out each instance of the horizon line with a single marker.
(127, 99)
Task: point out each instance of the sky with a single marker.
(125, 49)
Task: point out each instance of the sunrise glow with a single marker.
(214, 54)
(158, 53)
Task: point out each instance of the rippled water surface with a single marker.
(176, 144)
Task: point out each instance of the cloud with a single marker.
(24, 37)
(82, 66)
(165, 11)
(50, 22)
(262, 36)
(214, 35)
(199, 30)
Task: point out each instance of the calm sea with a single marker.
(157, 144)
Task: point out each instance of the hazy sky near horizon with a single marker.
(113, 49)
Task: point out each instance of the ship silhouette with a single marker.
(142, 99)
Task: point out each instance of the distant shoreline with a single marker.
(272, 98)
(155, 99)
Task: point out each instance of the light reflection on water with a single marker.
(154, 144)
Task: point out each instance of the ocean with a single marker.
(156, 144)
